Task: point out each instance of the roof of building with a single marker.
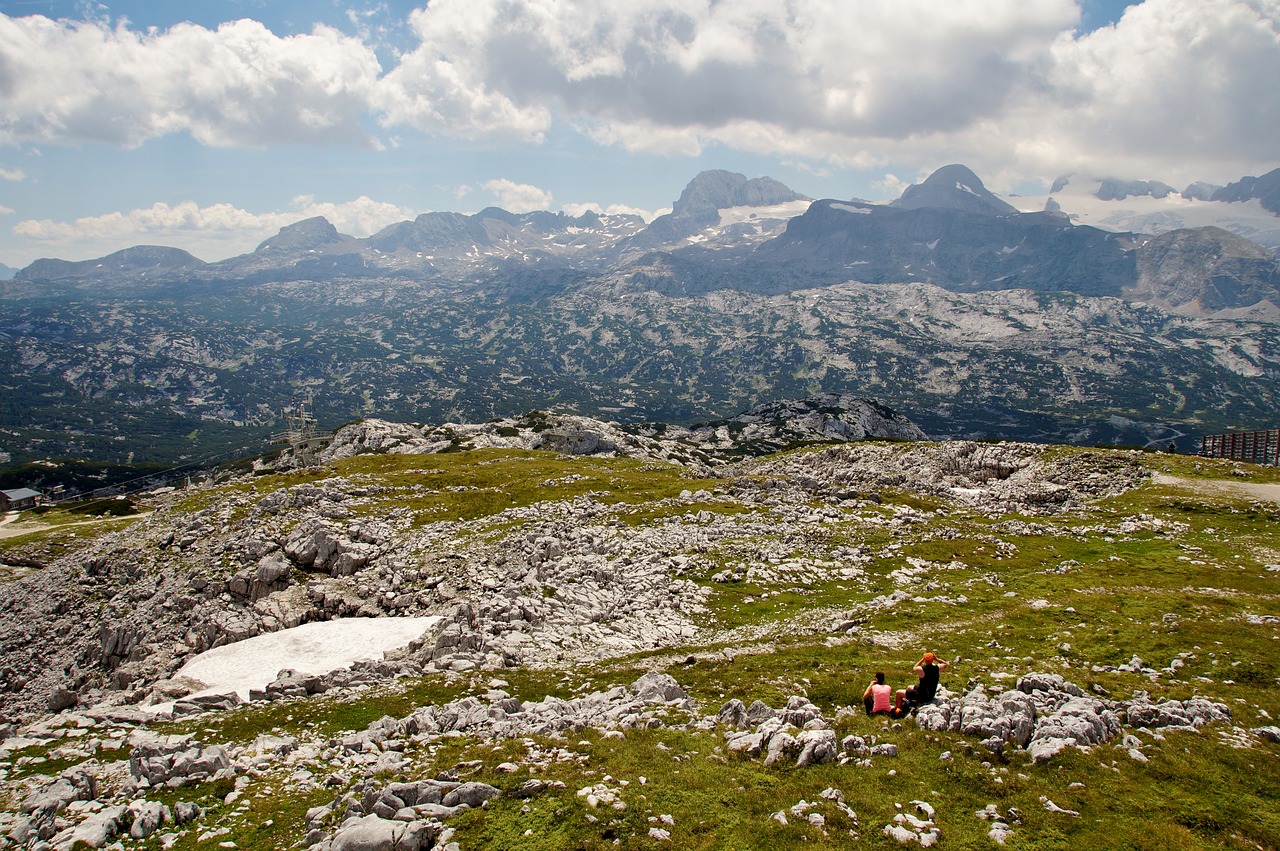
(20, 493)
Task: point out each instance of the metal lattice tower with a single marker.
(300, 433)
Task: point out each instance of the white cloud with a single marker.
(73, 82)
(7, 211)
(12, 174)
(1176, 88)
(518, 197)
(891, 185)
(1182, 83)
(669, 75)
(1008, 86)
(211, 233)
(440, 86)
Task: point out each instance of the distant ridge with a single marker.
(138, 261)
(762, 429)
(1266, 189)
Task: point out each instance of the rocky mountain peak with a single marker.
(719, 190)
(303, 235)
(954, 187)
(699, 205)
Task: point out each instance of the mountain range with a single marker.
(729, 232)
(951, 303)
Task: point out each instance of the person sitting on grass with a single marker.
(928, 669)
(878, 698)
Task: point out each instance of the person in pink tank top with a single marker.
(878, 698)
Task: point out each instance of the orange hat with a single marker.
(929, 657)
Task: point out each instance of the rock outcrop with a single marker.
(1045, 714)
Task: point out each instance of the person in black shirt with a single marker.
(928, 669)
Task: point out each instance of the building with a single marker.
(20, 498)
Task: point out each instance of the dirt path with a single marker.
(11, 527)
(1249, 490)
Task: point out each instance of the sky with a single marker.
(210, 125)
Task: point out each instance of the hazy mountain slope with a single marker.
(1265, 189)
(1208, 270)
(956, 249)
(954, 187)
(141, 262)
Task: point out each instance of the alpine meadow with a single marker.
(544, 424)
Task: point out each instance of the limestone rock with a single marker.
(658, 687)
(373, 833)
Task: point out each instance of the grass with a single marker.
(481, 483)
(54, 541)
(464, 486)
(273, 817)
(42, 762)
(333, 714)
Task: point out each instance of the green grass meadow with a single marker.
(1175, 569)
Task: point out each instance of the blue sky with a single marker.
(210, 125)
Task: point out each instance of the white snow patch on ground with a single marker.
(313, 648)
(851, 209)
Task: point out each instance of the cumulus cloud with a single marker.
(891, 186)
(1174, 81)
(1011, 87)
(518, 197)
(441, 86)
(672, 74)
(72, 82)
(12, 174)
(211, 232)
